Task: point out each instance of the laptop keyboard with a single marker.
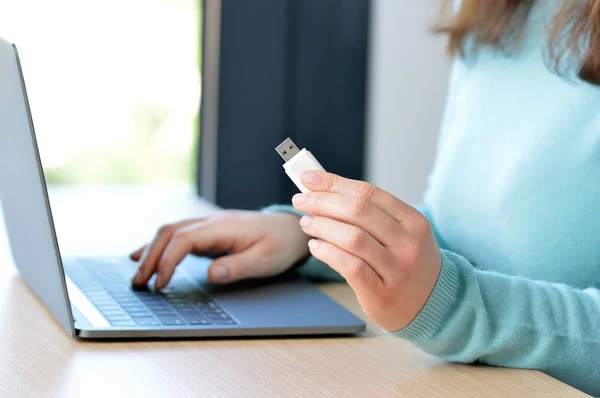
(108, 286)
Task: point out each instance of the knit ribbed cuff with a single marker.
(438, 306)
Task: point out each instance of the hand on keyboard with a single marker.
(259, 245)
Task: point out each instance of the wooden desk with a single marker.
(38, 359)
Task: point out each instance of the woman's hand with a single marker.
(260, 245)
(383, 247)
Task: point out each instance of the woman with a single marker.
(502, 263)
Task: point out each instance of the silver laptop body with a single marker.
(92, 298)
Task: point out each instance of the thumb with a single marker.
(234, 267)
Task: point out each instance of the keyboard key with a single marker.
(156, 303)
(187, 310)
(127, 300)
(102, 300)
(139, 313)
(195, 319)
(203, 307)
(130, 304)
(163, 311)
(97, 295)
(127, 322)
(171, 320)
(208, 309)
(158, 306)
(108, 307)
(133, 308)
(180, 306)
(117, 290)
(147, 321)
(152, 300)
(198, 322)
(119, 317)
(113, 312)
(215, 315)
(88, 287)
(228, 321)
(124, 295)
(182, 286)
(175, 301)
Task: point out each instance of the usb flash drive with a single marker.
(297, 162)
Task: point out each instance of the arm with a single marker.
(389, 255)
(501, 320)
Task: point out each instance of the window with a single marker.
(114, 86)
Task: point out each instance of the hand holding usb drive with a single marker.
(297, 162)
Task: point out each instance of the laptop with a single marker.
(92, 297)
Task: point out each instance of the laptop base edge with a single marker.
(226, 332)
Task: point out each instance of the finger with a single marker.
(237, 266)
(349, 238)
(198, 237)
(320, 181)
(135, 256)
(361, 278)
(350, 210)
(152, 252)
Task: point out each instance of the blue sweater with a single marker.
(514, 199)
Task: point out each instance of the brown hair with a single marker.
(573, 32)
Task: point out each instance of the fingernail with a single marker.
(309, 177)
(219, 272)
(313, 243)
(305, 221)
(159, 281)
(299, 198)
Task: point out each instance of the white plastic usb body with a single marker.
(297, 162)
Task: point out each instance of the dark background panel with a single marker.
(292, 68)
(329, 83)
(252, 103)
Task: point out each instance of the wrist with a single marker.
(292, 237)
(438, 305)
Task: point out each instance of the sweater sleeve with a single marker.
(474, 315)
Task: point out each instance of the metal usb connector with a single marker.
(287, 149)
(297, 162)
